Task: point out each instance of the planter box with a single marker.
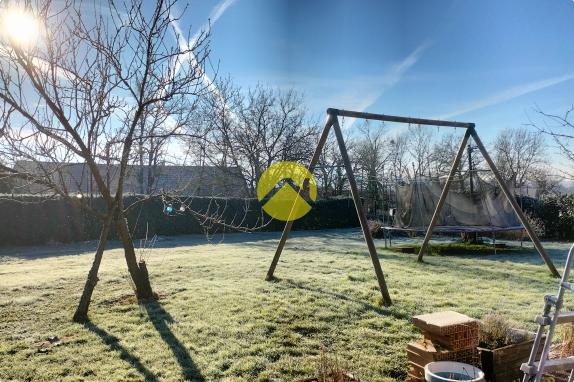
(503, 364)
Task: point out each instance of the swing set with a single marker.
(470, 131)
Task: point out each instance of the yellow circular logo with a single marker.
(285, 190)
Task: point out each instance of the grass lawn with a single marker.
(218, 320)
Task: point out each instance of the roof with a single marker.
(181, 180)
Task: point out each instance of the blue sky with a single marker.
(489, 62)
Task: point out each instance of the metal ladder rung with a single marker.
(563, 318)
(557, 364)
(569, 286)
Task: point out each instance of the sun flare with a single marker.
(19, 26)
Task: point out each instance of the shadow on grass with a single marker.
(365, 306)
(113, 343)
(161, 319)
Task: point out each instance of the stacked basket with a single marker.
(448, 336)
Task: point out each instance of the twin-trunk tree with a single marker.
(91, 89)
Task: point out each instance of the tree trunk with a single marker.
(81, 314)
(138, 272)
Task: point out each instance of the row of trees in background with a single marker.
(252, 129)
(379, 157)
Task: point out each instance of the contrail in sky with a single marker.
(508, 94)
(215, 14)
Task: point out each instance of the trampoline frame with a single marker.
(456, 229)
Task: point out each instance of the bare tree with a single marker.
(217, 115)
(443, 153)
(419, 148)
(149, 152)
(85, 93)
(372, 149)
(517, 153)
(561, 129)
(253, 129)
(544, 181)
(371, 153)
(398, 157)
(330, 172)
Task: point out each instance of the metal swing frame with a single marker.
(333, 122)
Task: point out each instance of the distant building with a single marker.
(179, 180)
(566, 187)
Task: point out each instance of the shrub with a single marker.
(330, 369)
(494, 331)
(555, 215)
(566, 336)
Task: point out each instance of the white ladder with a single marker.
(551, 316)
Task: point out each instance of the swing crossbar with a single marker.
(395, 118)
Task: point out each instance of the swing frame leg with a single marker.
(333, 123)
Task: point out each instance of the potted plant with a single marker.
(503, 349)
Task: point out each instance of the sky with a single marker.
(490, 62)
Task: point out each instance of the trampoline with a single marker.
(484, 211)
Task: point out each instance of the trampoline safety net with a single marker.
(487, 210)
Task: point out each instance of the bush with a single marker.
(566, 336)
(30, 220)
(555, 213)
(494, 331)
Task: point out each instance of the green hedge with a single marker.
(555, 212)
(31, 220)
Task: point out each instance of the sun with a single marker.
(19, 26)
